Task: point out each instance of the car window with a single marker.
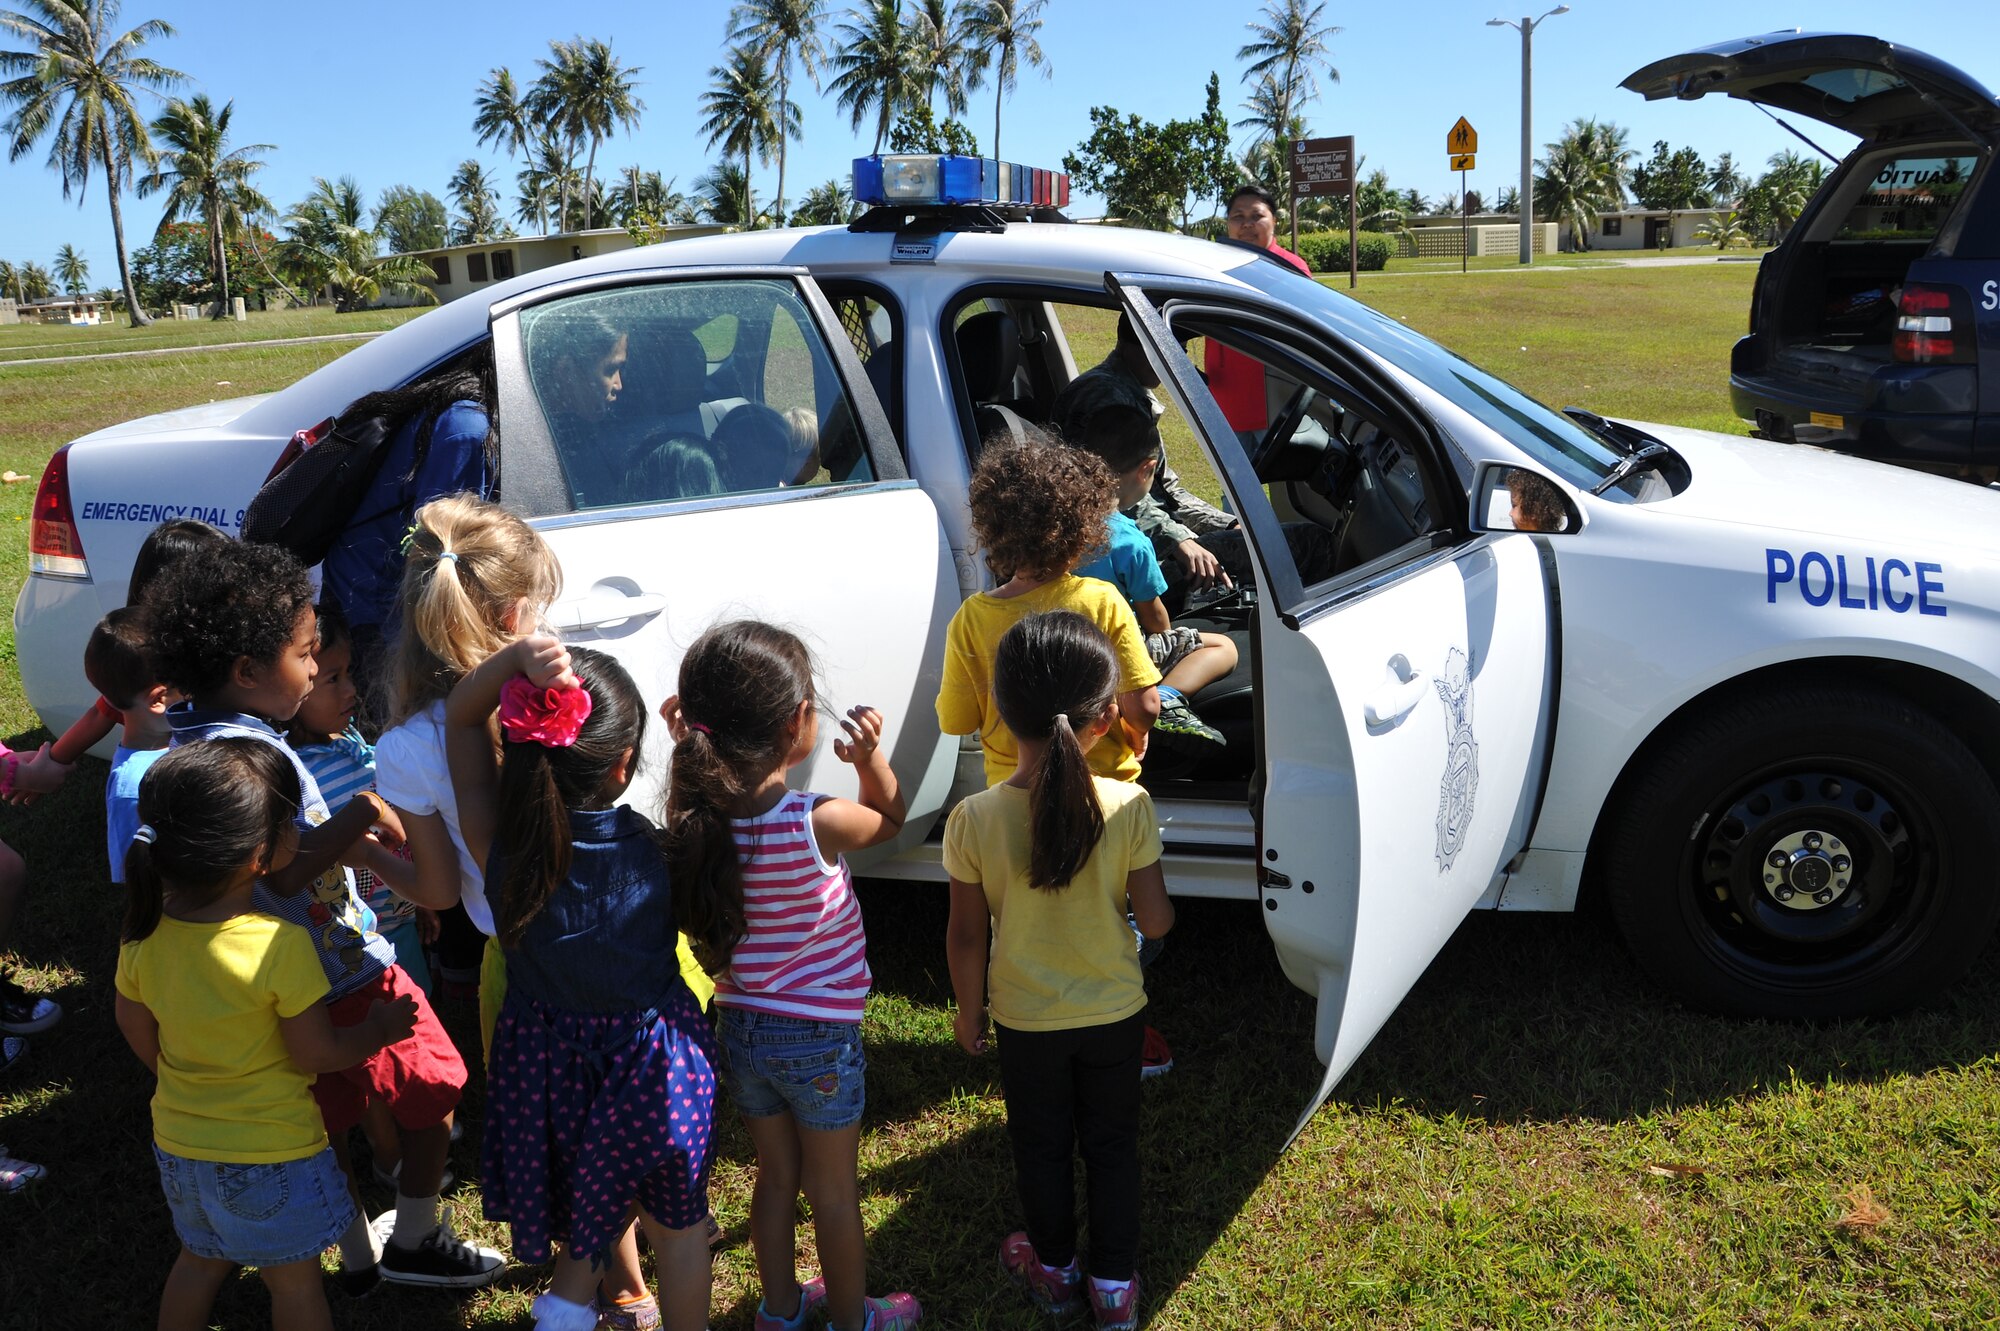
(679, 390)
(1908, 197)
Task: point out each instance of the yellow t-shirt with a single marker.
(228, 1090)
(1061, 958)
(965, 699)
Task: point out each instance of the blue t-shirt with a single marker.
(605, 940)
(121, 803)
(1127, 562)
(342, 928)
(344, 767)
(364, 566)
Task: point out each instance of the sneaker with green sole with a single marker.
(1177, 718)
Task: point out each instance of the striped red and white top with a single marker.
(803, 953)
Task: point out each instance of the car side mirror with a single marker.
(1513, 498)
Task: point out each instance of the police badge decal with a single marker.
(1460, 784)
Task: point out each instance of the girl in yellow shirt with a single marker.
(223, 1005)
(1042, 867)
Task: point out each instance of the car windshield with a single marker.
(1551, 438)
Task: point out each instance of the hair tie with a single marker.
(144, 833)
(448, 556)
(550, 717)
(409, 535)
(696, 725)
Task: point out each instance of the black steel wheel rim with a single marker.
(1813, 873)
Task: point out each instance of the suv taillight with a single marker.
(301, 441)
(54, 547)
(1933, 325)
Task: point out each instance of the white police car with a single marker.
(1745, 691)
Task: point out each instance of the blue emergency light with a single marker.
(929, 179)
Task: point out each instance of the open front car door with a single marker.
(1405, 676)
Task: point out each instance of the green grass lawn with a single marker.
(26, 341)
(1537, 1139)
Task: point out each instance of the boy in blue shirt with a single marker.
(1125, 436)
(119, 666)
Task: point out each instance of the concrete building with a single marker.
(460, 270)
(1645, 228)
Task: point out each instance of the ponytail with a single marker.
(1053, 675)
(1065, 821)
(539, 785)
(740, 685)
(206, 811)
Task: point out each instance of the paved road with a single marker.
(204, 346)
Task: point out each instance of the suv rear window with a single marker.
(1909, 198)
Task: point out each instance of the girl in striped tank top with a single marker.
(765, 896)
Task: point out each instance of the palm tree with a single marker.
(604, 104)
(500, 116)
(1725, 183)
(555, 103)
(1723, 232)
(874, 67)
(782, 30)
(741, 108)
(725, 195)
(547, 176)
(205, 179)
(477, 201)
(72, 270)
(81, 82)
(646, 195)
(10, 280)
(829, 204)
(941, 52)
(329, 244)
(1001, 34)
(34, 283)
(1286, 47)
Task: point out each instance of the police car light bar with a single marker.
(933, 179)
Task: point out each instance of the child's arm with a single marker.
(1152, 908)
(1137, 710)
(1152, 616)
(965, 939)
(317, 1045)
(468, 744)
(399, 874)
(434, 879)
(322, 847)
(141, 1030)
(843, 825)
(80, 738)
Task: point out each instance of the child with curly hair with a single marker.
(1038, 511)
(234, 629)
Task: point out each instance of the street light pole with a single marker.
(1526, 200)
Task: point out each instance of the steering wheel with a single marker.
(1281, 430)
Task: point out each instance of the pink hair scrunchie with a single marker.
(547, 716)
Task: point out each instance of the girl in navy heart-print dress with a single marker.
(599, 1089)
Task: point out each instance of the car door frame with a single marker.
(532, 479)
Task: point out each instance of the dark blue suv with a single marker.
(1875, 324)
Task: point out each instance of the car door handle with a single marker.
(1394, 701)
(608, 607)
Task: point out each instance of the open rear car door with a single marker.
(739, 466)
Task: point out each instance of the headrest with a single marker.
(989, 347)
(671, 369)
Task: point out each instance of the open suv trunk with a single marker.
(1862, 324)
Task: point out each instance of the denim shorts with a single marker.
(256, 1215)
(814, 1070)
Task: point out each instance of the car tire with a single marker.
(1818, 852)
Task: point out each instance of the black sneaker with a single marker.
(1177, 718)
(443, 1261)
(12, 1051)
(22, 1013)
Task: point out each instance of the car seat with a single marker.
(989, 353)
(665, 372)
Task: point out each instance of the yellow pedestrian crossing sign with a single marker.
(1462, 162)
(1462, 139)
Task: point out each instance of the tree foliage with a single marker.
(917, 132)
(408, 219)
(207, 179)
(875, 67)
(1672, 178)
(828, 204)
(783, 31)
(1583, 176)
(1154, 175)
(1000, 35)
(177, 267)
(329, 247)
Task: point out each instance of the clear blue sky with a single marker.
(1406, 73)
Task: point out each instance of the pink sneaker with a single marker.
(812, 1297)
(1055, 1293)
(892, 1312)
(1116, 1312)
